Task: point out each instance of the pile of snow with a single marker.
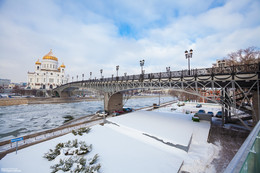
(141, 141)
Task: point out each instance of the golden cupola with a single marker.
(50, 56)
(62, 65)
(38, 62)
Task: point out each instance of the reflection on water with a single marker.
(25, 119)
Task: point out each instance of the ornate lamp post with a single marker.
(77, 77)
(188, 56)
(82, 76)
(101, 71)
(117, 68)
(168, 69)
(125, 75)
(142, 64)
(90, 74)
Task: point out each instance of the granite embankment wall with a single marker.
(20, 101)
(13, 101)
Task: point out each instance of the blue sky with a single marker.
(89, 35)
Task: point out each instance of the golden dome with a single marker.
(62, 65)
(38, 62)
(50, 56)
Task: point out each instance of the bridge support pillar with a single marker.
(114, 102)
(65, 94)
(256, 103)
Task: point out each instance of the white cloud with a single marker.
(85, 35)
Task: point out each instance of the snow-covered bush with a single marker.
(52, 154)
(75, 164)
(81, 131)
(73, 159)
(94, 160)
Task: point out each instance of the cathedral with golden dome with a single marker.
(48, 74)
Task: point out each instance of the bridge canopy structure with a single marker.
(238, 86)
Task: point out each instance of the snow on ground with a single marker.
(118, 153)
(191, 107)
(160, 125)
(123, 147)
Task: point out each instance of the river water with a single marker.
(26, 119)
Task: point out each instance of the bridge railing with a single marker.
(238, 69)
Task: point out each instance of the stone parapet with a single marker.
(13, 101)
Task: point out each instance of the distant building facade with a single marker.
(220, 63)
(48, 74)
(5, 83)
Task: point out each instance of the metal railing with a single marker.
(247, 159)
(228, 70)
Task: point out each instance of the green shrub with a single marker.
(81, 131)
(76, 162)
(52, 154)
(94, 160)
(74, 132)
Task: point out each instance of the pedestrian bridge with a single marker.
(238, 84)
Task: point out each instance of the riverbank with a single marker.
(54, 100)
(42, 100)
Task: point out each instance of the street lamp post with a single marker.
(101, 71)
(117, 68)
(90, 74)
(142, 64)
(82, 76)
(77, 77)
(72, 78)
(168, 69)
(188, 56)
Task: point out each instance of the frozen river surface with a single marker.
(26, 119)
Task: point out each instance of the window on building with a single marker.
(38, 67)
(51, 80)
(30, 79)
(51, 73)
(47, 65)
(57, 80)
(44, 80)
(37, 80)
(50, 65)
(44, 65)
(62, 70)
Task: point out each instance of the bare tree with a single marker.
(249, 55)
(2, 89)
(16, 89)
